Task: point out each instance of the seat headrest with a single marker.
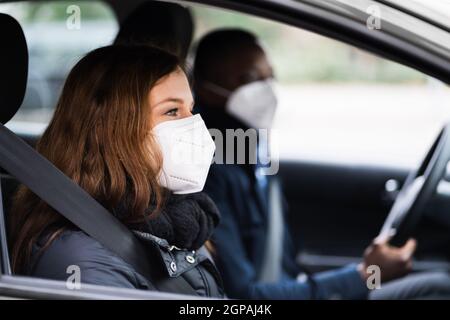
(13, 67)
(166, 25)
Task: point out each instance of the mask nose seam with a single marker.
(192, 143)
(183, 179)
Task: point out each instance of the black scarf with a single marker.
(185, 221)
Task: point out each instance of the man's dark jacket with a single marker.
(241, 236)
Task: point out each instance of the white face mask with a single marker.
(187, 149)
(254, 103)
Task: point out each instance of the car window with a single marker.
(58, 34)
(337, 103)
(341, 104)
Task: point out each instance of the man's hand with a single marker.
(393, 262)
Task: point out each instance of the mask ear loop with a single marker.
(221, 91)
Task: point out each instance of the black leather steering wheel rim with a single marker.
(419, 187)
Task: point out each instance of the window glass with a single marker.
(58, 34)
(339, 103)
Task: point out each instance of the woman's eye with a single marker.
(172, 112)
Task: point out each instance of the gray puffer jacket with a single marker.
(100, 266)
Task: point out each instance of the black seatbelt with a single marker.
(74, 203)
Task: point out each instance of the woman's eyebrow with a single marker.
(176, 100)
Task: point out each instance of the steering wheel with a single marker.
(418, 188)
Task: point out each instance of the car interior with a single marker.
(335, 207)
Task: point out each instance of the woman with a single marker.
(123, 130)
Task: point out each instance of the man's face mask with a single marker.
(254, 103)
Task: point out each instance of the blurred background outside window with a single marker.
(338, 104)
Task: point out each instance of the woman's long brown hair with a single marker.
(99, 137)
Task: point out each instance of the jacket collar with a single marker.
(176, 261)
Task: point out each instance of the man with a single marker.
(232, 79)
